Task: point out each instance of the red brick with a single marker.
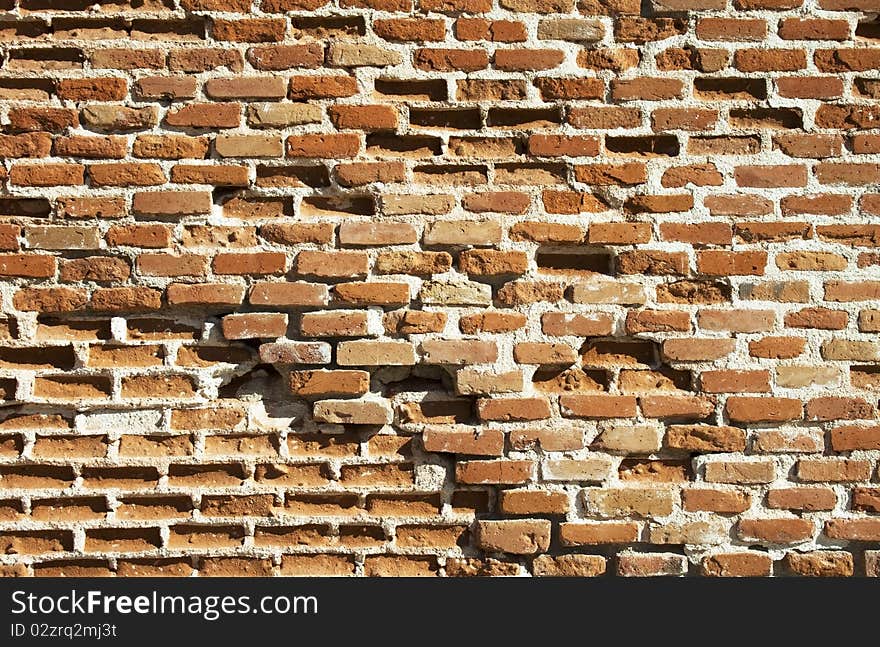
(740, 564)
(756, 409)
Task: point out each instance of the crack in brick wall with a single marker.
(439, 287)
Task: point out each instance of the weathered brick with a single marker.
(518, 537)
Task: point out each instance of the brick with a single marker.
(824, 563)
(295, 353)
(410, 29)
(477, 382)
(225, 175)
(148, 236)
(802, 498)
(740, 472)
(464, 441)
(517, 537)
(749, 321)
(587, 534)
(369, 353)
(331, 264)
(598, 406)
(721, 501)
(205, 115)
(462, 233)
(832, 470)
(27, 265)
(95, 268)
(170, 147)
(608, 292)
(540, 353)
(253, 30)
(866, 499)
(317, 87)
(848, 438)
(651, 565)
(755, 409)
(355, 55)
(527, 59)
(525, 502)
(514, 409)
(840, 349)
(835, 408)
(735, 381)
(494, 472)
(250, 326)
(652, 263)
(492, 263)
(501, 202)
(204, 294)
(505, 31)
(257, 263)
(800, 376)
(561, 88)
(165, 87)
(813, 29)
(646, 89)
(25, 145)
(540, 232)
(119, 299)
(643, 502)
(776, 531)
(727, 29)
(50, 299)
(458, 293)
(364, 117)
(705, 438)
(569, 566)
(341, 145)
(372, 293)
(103, 89)
(617, 60)
(43, 119)
(696, 349)
(588, 470)
(561, 324)
(636, 439)
(458, 352)
(279, 115)
(357, 234)
(619, 233)
(355, 412)
(248, 146)
(47, 175)
(765, 60)
(329, 384)
(447, 60)
(246, 88)
(180, 203)
(788, 441)
(686, 407)
(739, 564)
(657, 321)
(361, 173)
(771, 176)
(61, 237)
(605, 118)
(719, 263)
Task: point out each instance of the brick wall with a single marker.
(459, 287)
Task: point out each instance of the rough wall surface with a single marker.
(460, 287)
